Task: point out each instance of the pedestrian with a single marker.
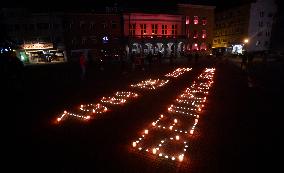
(244, 61)
(83, 66)
(171, 58)
(159, 57)
(150, 59)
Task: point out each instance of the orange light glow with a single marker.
(154, 151)
(180, 157)
(146, 131)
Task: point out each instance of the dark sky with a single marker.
(66, 4)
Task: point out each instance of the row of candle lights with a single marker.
(187, 106)
(120, 97)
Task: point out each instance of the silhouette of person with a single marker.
(83, 66)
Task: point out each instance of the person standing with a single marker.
(83, 66)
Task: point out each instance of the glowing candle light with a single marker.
(146, 131)
(134, 144)
(175, 120)
(180, 157)
(154, 150)
(177, 138)
(196, 121)
(191, 132)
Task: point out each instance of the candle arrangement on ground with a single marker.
(178, 72)
(88, 111)
(168, 136)
(150, 84)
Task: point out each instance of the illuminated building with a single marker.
(153, 33)
(198, 26)
(246, 27)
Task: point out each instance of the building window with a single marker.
(195, 34)
(194, 46)
(203, 46)
(143, 29)
(268, 24)
(187, 20)
(261, 14)
(84, 40)
(259, 34)
(195, 20)
(73, 41)
(155, 29)
(174, 29)
(113, 24)
(93, 39)
(267, 33)
(92, 25)
(204, 21)
(260, 24)
(104, 25)
(82, 25)
(164, 29)
(204, 33)
(132, 28)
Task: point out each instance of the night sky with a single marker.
(97, 4)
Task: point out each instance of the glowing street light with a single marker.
(246, 40)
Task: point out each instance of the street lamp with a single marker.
(246, 40)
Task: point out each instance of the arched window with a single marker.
(194, 46)
(203, 46)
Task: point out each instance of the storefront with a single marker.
(41, 53)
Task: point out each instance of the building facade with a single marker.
(198, 23)
(244, 28)
(39, 35)
(153, 33)
(92, 34)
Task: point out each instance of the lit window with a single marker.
(195, 34)
(194, 46)
(195, 21)
(143, 29)
(132, 28)
(204, 21)
(203, 46)
(155, 29)
(174, 29)
(164, 29)
(187, 20)
(203, 33)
